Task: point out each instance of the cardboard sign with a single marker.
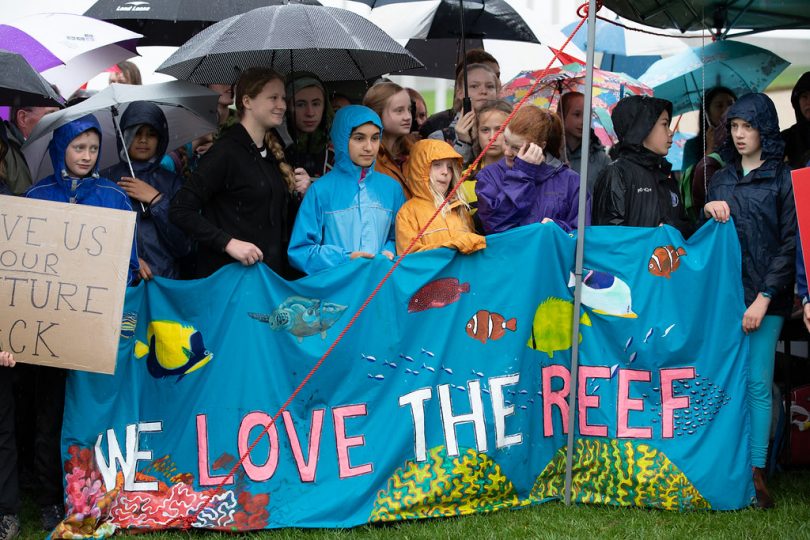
(801, 194)
(63, 274)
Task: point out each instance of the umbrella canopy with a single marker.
(20, 84)
(80, 47)
(608, 89)
(616, 40)
(191, 111)
(432, 19)
(431, 29)
(334, 44)
(685, 77)
(720, 15)
(173, 22)
(625, 50)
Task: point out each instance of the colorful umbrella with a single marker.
(84, 45)
(685, 77)
(608, 89)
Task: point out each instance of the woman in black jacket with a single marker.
(637, 190)
(239, 205)
(755, 189)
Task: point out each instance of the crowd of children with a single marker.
(294, 185)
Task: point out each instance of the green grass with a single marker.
(790, 519)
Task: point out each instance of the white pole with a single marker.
(583, 194)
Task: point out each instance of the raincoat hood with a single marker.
(346, 119)
(62, 137)
(759, 111)
(417, 168)
(634, 117)
(144, 112)
(802, 85)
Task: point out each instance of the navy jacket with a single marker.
(160, 243)
(762, 207)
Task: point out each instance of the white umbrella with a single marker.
(85, 45)
(190, 109)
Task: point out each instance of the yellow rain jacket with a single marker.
(454, 229)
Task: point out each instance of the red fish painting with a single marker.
(665, 260)
(485, 325)
(437, 294)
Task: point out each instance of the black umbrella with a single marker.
(334, 44)
(439, 22)
(20, 84)
(172, 22)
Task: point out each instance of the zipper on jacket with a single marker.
(74, 184)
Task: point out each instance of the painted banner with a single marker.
(63, 274)
(447, 397)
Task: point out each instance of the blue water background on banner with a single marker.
(689, 317)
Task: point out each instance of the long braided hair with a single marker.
(250, 84)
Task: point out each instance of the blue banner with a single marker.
(448, 396)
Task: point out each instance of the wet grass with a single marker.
(790, 519)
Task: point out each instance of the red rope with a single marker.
(188, 520)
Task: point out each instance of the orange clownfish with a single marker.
(485, 325)
(665, 260)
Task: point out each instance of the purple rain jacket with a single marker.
(527, 193)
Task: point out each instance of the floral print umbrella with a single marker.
(608, 89)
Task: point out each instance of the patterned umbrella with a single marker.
(334, 44)
(685, 77)
(608, 89)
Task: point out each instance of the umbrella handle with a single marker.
(114, 113)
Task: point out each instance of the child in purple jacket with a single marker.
(530, 184)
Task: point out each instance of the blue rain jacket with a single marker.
(349, 209)
(160, 243)
(92, 190)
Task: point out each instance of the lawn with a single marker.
(790, 519)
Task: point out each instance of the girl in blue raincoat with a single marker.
(350, 212)
(755, 189)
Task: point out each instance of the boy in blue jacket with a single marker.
(74, 151)
(351, 211)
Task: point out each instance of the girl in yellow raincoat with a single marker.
(432, 170)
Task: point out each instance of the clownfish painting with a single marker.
(665, 260)
(485, 325)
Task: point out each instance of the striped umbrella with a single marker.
(334, 44)
(608, 89)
